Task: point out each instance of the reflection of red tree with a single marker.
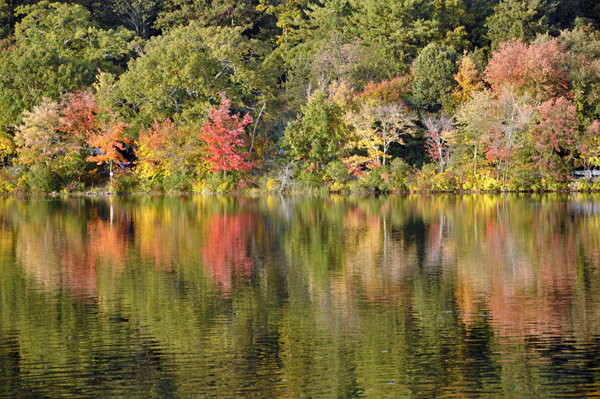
(80, 272)
(225, 251)
(107, 243)
(532, 296)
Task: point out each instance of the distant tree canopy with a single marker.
(492, 90)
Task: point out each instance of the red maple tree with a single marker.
(224, 136)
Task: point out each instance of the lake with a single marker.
(413, 296)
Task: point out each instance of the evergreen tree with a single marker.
(433, 72)
(518, 19)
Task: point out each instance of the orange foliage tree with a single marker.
(109, 141)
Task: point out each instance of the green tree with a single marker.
(4, 19)
(433, 72)
(518, 19)
(320, 135)
(138, 15)
(408, 24)
(58, 49)
(583, 69)
(176, 13)
(181, 74)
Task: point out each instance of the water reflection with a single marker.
(402, 296)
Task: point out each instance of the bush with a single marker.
(41, 180)
(399, 172)
(177, 183)
(7, 183)
(427, 179)
(337, 172)
(125, 182)
(153, 184)
(218, 182)
(74, 186)
(377, 179)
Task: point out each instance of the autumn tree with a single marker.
(165, 149)
(537, 68)
(589, 146)
(553, 136)
(38, 138)
(468, 79)
(378, 125)
(56, 135)
(513, 115)
(394, 90)
(476, 120)
(439, 140)
(79, 110)
(108, 143)
(226, 142)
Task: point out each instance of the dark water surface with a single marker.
(283, 297)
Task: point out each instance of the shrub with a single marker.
(7, 183)
(41, 180)
(337, 172)
(125, 182)
(74, 186)
(217, 182)
(177, 182)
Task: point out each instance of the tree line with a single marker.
(201, 95)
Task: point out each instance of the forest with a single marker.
(298, 95)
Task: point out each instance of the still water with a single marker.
(283, 297)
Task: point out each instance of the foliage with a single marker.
(537, 68)
(175, 13)
(337, 172)
(109, 142)
(180, 74)
(166, 149)
(468, 79)
(378, 125)
(217, 182)
(124, 182)
(320, 135)
(513, 114)
(39, 137)
(553, 137)
(326, 83)
(518, 19)
(58, 49)
(476, 120)
(388, 91)
(439, 139)
(433, 74)
(40, 179)
(224, 136)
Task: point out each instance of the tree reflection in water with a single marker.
(414, 296)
